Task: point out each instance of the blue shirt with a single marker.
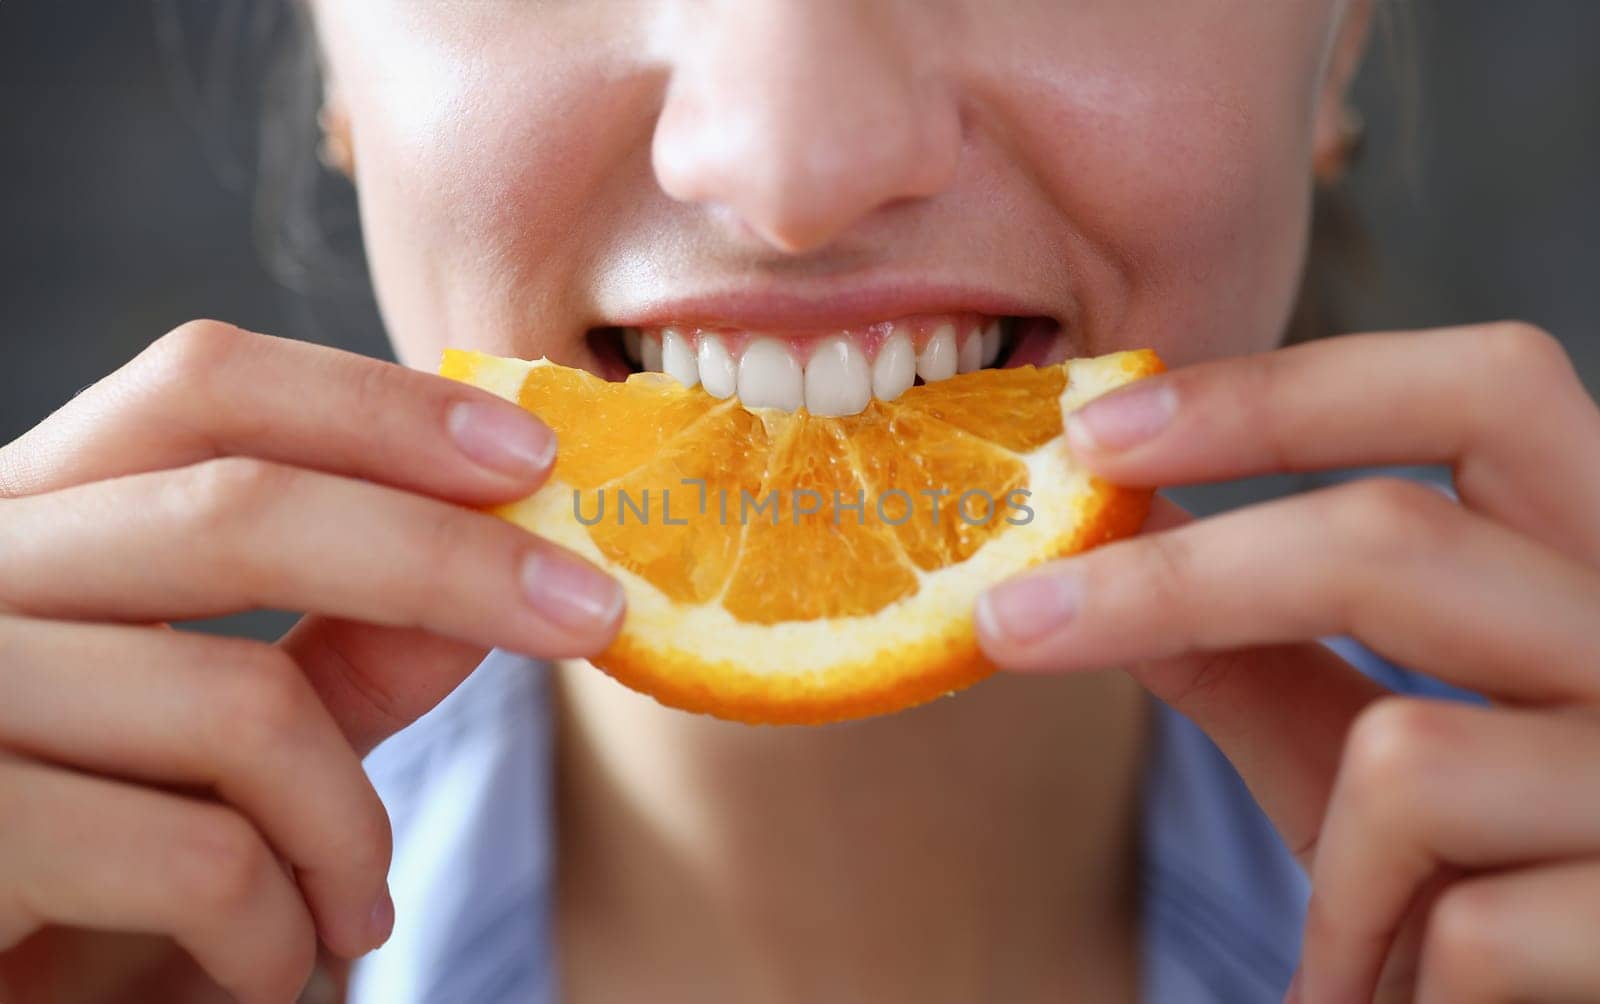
(468, 788)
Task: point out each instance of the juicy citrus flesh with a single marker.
(789, 568)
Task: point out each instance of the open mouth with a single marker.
(827, 372)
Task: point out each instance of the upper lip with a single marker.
(826, 308)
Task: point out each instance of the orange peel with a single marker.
(790, 568)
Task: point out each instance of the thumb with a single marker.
(377, 680)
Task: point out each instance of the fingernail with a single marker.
(381, 924)
(571, 593)
(1025, 610)
(503, 438)
(1123, 418)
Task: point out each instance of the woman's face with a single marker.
(1136, 171)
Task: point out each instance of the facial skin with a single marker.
(1138, 170)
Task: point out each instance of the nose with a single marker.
(802, 117)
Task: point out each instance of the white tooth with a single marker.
(677, 357)
(719, 374)
(991, 343)
(630, 343)
(937, 360)
(838, 379)
(895, 369)
(650, 355)
(971, 355)
(769, 376)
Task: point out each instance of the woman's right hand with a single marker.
(209, 790)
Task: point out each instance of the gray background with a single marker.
(127, 180)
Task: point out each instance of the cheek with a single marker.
(1182, 173)
(478, 173)
(495, 155)
(1200, 210)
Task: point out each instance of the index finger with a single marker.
(1499, 403)
(209, 390)
(1338, 561)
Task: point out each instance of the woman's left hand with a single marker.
(1454, 849)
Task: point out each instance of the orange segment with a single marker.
(793, 568)
(944, 492)
(686, 541)
(1016, 409)
(815, 556)
(608, 429)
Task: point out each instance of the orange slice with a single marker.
(787, 568)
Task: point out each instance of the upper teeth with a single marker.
(937, 360)
(895, 369)
(678, 357)
(717, 369)
(650, 355)
(991, 343)
(769, 377)
(838, 378)
(828, 376)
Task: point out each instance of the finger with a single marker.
(1499, 403)
(209, 389)
(87, 852)
(229, 716)
(1278, 712)
(1427, 784)
(376, 680)
(1394, 564)
(238, 534)
(1165, 514)
(1525, 935)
